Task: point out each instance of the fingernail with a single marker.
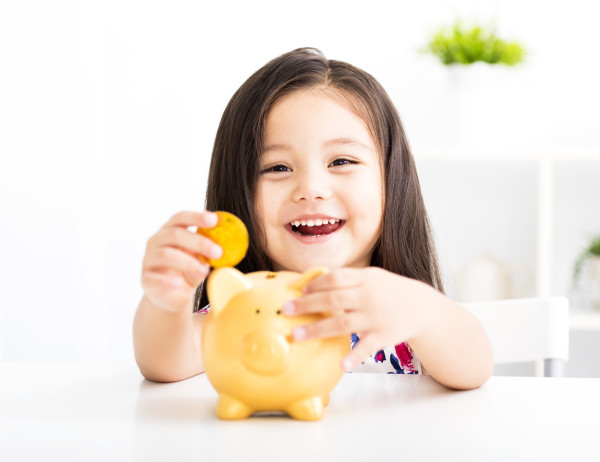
(299, 333)
(212, 219)
(288, 308)
(216, 252)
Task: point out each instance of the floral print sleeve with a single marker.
(398, 359)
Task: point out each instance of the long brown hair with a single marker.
(405, 246)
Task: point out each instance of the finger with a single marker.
(186, 218)
(165, 290)
(164, 281)
(192, 243)
(337, 279)
(333, 326)
(171, 261)
(332, 301)
(166, 259)
(361, 351)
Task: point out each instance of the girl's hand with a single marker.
(382, 307)
(173, 265)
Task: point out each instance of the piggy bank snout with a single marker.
(265, 352)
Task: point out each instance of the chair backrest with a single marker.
(526, 330)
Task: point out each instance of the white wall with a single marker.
(108, 110)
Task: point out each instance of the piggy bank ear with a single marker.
(306, 277)
(224, 283)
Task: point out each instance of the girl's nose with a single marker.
(311, 187)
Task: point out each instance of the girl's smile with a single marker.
(320, 188)
(315, 229)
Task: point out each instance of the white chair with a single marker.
(527, 330)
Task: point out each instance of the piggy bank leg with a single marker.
(325, 400)
(230, 408)
(308, 409)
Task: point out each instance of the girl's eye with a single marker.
(276, 168)
(343, 161)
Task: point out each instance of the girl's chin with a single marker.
(302, 266)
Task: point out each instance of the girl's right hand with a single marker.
(174, 263)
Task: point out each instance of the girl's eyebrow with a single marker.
(276, 147)
(346, 141)
(335, 141)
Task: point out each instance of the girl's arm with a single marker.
(166, 335)
(451, 343)
(388, 309)
(167, 343)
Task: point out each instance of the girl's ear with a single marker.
(224, 283)
(306, 277)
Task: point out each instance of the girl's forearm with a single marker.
(167, 344)
(452, 344)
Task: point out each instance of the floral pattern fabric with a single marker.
(398, 359)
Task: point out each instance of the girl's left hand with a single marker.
(384, 308)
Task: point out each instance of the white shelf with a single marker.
(549, 210)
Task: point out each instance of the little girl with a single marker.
(312, 156)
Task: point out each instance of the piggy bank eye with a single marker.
(278, 311)
(257, 310)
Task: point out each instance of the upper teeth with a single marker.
(317, 222)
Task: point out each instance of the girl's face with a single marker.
(320, 189)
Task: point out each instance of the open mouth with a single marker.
(317, 227)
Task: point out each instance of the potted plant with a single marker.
(591, 256)
(464, 45)
(480, 81)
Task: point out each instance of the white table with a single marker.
(72, 413)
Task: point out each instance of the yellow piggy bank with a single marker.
(249, 354)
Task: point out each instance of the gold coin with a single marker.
(231, 234)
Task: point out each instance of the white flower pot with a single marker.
(595, 276)
(482, 99)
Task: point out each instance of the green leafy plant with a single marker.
(593, 250)
(461, 44)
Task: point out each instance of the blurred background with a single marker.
(108, 111)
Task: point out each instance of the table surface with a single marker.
(62, 412)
